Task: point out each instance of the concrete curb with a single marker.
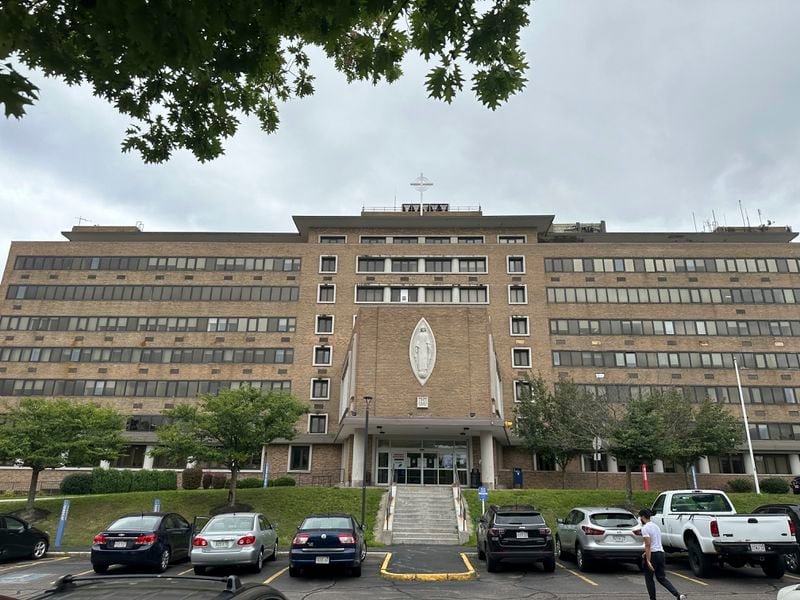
(467, 575)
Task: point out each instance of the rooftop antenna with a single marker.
(760, 218)
(81, 220)
(747, 216)
(741, 211)
(421, 184)
(694, 220)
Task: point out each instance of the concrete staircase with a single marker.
(424, 515)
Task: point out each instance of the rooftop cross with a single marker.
(421, 184)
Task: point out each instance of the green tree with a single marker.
(230, 427)
(637, 436)
(560, 425)
(47, 434)
(186, 70)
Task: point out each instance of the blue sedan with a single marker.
(328, 539)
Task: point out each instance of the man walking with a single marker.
(654, 561)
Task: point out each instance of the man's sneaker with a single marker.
(682, 597)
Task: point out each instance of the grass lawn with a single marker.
(557, 503)
(285, 507)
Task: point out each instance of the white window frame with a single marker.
(468, 257)
(289, 459)
(530, 357)
(355, 293)
(335, 257)
(314, 362)
(508, 235)
(516, 396)
(467, 287)
(308, 425)
(327, 235)
(311, 388)
(319, 289)
(524, 286)
(508, 265)
(467, 235)
(527, 325)
(316, 325)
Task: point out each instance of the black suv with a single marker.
(515, 534)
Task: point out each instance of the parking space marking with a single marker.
(272, 578)
(189, 570)
(578, 575)
(26, 565)
(463, 576)
(697, 581)
(791, 576)
(83, 573)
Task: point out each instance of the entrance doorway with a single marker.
(425, 463)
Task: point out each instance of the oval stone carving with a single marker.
(422, 351)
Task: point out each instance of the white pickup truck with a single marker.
(705, 524)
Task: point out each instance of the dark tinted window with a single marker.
(140, 523)
(327, 523)
(614, 519)
(519, 519)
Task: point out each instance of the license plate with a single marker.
(219, 544)
(120, 544)
(522, 535)
(758, 548)
(323, 560)
(619, 539)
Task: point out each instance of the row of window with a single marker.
(625, 295)
(774, 431)
(672, 265)
(123, 388)
(696, 393)
(434, 295)
(181, 324)
(317, 423)
(427, 239)
(156, 263)
(175, 293)
(677, 360)
(372, 264)
(672, 327)
(151, 355)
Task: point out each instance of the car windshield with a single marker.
(139, 523)
(519, 519)
(699, 502)
(230, 524)
(614, 519)
(326, 523)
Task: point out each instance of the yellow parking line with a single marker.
(32, 564)
(697, 581)
(186, 571)
(578, 575)
(272, 578)
(464, 576)
(83, 573)
(791, 576)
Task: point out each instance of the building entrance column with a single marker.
(487, 459)
(703, 466)
(794, 463)
(357, 470)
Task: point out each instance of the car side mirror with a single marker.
(560, 521)
(363, 527)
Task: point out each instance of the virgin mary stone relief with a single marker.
(422, 351)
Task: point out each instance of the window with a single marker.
(326, 292)
(773, 464)
(590, 465)
(405, 239)
(367, 264)
(470, 239)
(437, 240)
(369, 294)
(511, 239)
(515, 264)
(317, 423)
(522, 390)
(322, 356)
(332, 239)
(472, 265)
(327, 264)
(324, 324)
(373, 239)
(517, 294)
(130, 457)
(299, 458)
(544, 462)
(438, 265)
(472, 295)
(519, 326)
(405, 265)
(521, 358)
(403, 294)
(438, 295)
(320, 389)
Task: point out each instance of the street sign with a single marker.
(483, 493)
(597, 444)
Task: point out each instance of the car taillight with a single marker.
(199, 542)
(100, 539)
(346, 538)
(246, 540)
(544, 531)
(591, 530)
(637, 532)
(150, 538)
(714, 529)
(300, 539)
(791, 527)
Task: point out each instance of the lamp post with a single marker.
(746, 426)
(367, 400)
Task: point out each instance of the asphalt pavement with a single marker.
(21, 579)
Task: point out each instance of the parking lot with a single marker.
(23, 579)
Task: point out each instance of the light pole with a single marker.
(367, 400)
(746, 426)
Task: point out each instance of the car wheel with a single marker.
(294, 571)
(39, 550)
(549, 565)
(274, 555)
(259, 564)
(773, 567)
(356, 571)
(701, 564)
(481, 553)
(580, 559)
(100, 568)
(163, 563)
(492, 564)
(199, 570)
(792, 562)
(559, 549)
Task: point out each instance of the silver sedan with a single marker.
(235, 539)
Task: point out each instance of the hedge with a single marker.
(249, 482)
(76, 484)
(191, 478)
(740, 485)
(284, 481)
(112, 481)
(774, 485)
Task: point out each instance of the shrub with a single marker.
(207, 479)
(774, 485)
(218, 481)
(249, 482)
(191, 478)
(76, 484)
(111, 481)
(284, 481)
(740, 485)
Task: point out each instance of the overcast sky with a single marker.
(635, 112)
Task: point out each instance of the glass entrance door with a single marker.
(414, 471)
(422, 462)
(430, 472)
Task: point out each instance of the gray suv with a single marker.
(593, 533)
